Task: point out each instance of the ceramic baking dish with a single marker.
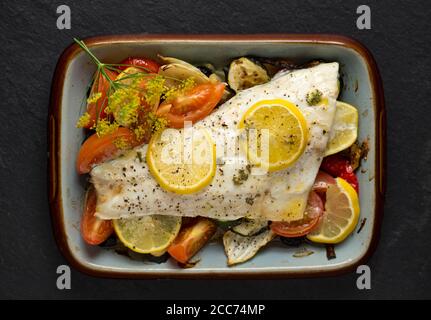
(362, 88)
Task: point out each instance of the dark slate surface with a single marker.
(30, 47)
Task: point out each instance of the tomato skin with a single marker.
(148, 65)
(322, 181)
(335, 165)
(300, 228)
(194, 99)
(339, 166)
(200, 102)
(100, 85)
(191, 239)
(97, 149)
(352, 179)
(94, 231)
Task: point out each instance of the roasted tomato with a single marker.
(101, 86)
(339, 166)
(99, 149)
(193, 106)
(191, 239)
(145, 64)
(322, 181)
(299, 228)
(94, 230)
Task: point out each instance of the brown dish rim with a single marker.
(54, 144)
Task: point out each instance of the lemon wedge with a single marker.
(344, 131)
(181, 164)
(285, 128)
(341, 214)
(149, 234)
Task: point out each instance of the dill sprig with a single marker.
(100, 66)
(126, 93)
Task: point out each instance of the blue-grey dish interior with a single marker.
(276, 258)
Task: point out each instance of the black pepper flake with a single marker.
(249, 200)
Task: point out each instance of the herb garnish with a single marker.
(132, 98)
(242, 175)
(314, 97)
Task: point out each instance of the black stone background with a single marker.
(30, 46)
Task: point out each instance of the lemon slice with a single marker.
(344, 131)
(285, 128)
(182, 164)
(341, 214)
(149, 234)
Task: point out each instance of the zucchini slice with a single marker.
(250, 227)
(240, 249)
(244, 73)
(227, 224)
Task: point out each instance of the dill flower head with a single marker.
(154, 89)
(121, 143)
(83, 121)
(156, 123)
(94, 97)
(104, 127)
(124, 104)
(140, 132)
(183, 87)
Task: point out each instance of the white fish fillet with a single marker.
(126, 188)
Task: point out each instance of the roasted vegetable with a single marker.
(94, 231)
(250, 227)
(293, 242)
(274, 65)
(145, 64)
(191, 239)
(244, 73)
(339, 166)
(227, 224)
(194, 105)
(240, 249)
(182, 72)
(207, 69)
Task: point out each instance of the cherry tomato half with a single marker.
(94, 230)
(101, 85)
(321, 182)
(191, 239)
(299, 228)
(339, 166)
(146, 64)
(193, 106)
(97, 149)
